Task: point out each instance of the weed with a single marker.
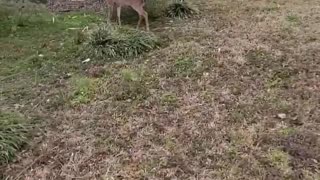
(278, 79)
(280, 160)
(129, 75)
(258, 58)
(286, 132)
(169, 99)
(134, 84)
(83, 90)
(183, 67)
(170, 144)
(272, 6)
(132, 88)
(293, 18)
(14, 132)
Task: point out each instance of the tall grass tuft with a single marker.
(108, 42)
(180, 9)
(14, 133)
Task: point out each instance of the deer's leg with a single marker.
(146, 20)
(142, 13)
(139, 22)
(109, 13)
(114, 12)
(119, 14)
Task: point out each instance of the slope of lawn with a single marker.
(233, 94)
(34, 50)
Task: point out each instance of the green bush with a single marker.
(118, 42)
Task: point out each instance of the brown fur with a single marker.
(137, 5)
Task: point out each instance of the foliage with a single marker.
(119, 42)
(13, 135)
(179, 9)
(83, 90)
(133, 85)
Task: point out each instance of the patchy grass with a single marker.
(232, 95)
(280, 160)
(169, 99)
(184, 67)
(33, 50)
(293, 18)
(83, 90)
(134, 84)
(287, 131)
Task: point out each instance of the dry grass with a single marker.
(205, 107)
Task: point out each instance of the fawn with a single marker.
(137, 5)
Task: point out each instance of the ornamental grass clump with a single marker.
(180, 9)
(108, 42)
(14, 132)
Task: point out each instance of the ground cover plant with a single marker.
(110, 42)
(13, 135)
(180, 9)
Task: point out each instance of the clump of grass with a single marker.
(169, 99)
(118, 42)
(79, 38)
(83, 90)
(183, 67)
(180, 9)
(293, 18)
(13, 135)
(288, 131)
(133, 85)
(280, 78)
(279, 159)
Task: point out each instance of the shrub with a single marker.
(118, 42)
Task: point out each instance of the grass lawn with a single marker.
(233, 93)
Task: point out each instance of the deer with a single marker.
(137, 5)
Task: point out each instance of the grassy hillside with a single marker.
(231, 93)
(34, 51)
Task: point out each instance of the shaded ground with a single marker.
(234, 95)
